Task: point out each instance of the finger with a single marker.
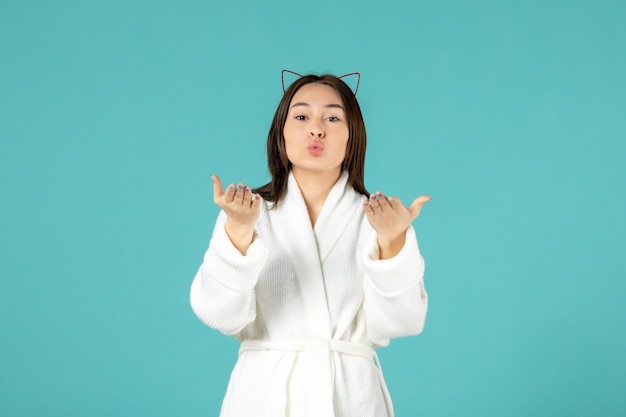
(239, 193)
(247, 196)
(230, 194)
(367, 208)
(382, 201)
(218, 191)
(394, 201)
(256, 201)
(374, 202)
(417, 204)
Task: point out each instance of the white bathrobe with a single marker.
(309, 306)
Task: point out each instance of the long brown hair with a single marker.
(277, 161)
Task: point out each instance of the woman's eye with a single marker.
(300, 117)
(333, 119)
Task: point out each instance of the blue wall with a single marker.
(510, 114)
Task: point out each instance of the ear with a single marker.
(282, 77)
(358, 80)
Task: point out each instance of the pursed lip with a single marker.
(315, 145)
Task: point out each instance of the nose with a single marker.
(316, 131)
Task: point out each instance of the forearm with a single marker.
(219, 307)
(397, 316)
(241, 236)
(389, 247)
(395, 300)
(222, 294)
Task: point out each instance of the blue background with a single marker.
(510, 114)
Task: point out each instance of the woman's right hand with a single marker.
(242, 209)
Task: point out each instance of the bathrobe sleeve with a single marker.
(395, 300)
(222, 292)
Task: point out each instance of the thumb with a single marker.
(218, 190)
(417, 204)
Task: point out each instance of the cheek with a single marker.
(290, 146)
(344, 151)
(344, 143)
(289, 133)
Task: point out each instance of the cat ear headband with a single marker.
(358, 81)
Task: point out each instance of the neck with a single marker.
(315, 187)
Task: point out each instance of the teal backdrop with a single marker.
(511, 114)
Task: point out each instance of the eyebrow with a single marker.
(331, 105)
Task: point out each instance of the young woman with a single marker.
(310, 272)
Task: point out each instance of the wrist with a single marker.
(390, 246)
(240, 235)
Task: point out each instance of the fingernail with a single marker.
(373, 196)
(247, 189)
(391, 199)
(241, 186)
(231, 187)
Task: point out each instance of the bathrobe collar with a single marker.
(308, 247)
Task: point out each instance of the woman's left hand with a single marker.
(390, 219)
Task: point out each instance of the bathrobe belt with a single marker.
(319, 369)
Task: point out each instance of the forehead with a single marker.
(316, 94)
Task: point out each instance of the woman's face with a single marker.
(316, 130)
